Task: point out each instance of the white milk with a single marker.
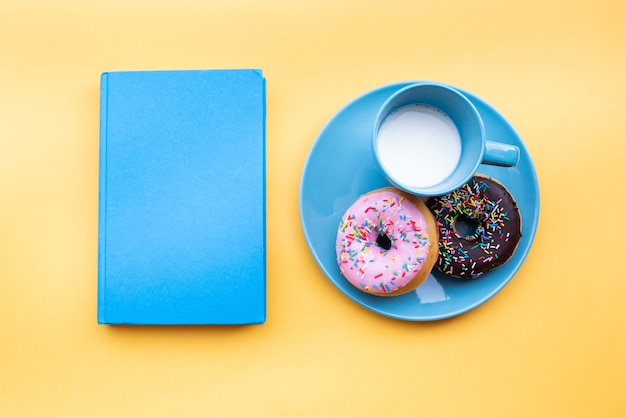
(419, 145)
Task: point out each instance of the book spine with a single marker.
(102, 194)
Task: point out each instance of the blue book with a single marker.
(181, 222)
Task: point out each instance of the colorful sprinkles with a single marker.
(367, 264)
(497, 222)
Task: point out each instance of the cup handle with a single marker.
(503, 155)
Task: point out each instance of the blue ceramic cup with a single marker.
(429, 140)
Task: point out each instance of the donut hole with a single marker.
(383, 241)
(466, 227)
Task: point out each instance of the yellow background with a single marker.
(550, 344)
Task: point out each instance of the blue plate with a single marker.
(341, 167)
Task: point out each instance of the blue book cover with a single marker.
(181, 221)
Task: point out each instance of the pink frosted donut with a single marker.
(387, 242)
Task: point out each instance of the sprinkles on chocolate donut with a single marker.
(479, 227)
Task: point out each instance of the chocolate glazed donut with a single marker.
(479, 227)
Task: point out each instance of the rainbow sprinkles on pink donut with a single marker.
(382, 242)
